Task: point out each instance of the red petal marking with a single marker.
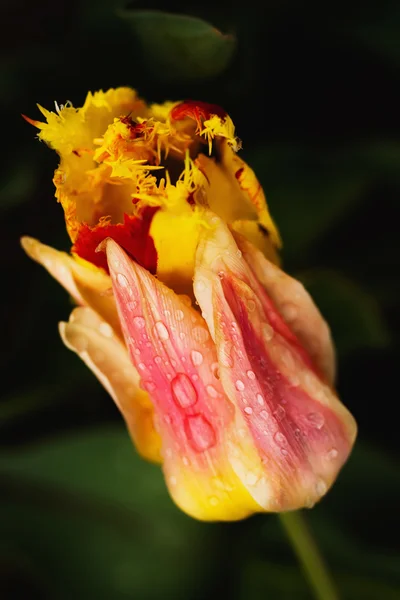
(133, 235)
(196, 110)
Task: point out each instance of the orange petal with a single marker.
(100, 349)
(171, 347)
(303, 434)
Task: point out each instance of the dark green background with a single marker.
(311, 88)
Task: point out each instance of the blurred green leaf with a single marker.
(180, 47)
(352, 313)
(97, 520)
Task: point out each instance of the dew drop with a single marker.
(200, 432)
(316, 420)
(211, 391)
(141, 366)
(280, 438)
(197, 358)
(242, 433)
(131, 306)
(239, 385)
(251, 375)
(321, 487)
(248, 410)
(332, 454)
(213, 500)
(139, 322)
(149, 386)
(215, 370)
(161, 330)
(289, 312)
(122, 280)
(106, 329)
(179, 315)
(221, 274)
(183, 391)
(158, 360)
(185, 461)
(251, 305)
(284, 452)
(200, 334)
(251, 478)
(200, 286)
(260, 399)
(267, 332)
(167, 313)
(224, 354)
(280, 413)
(182, 335)
(264, 414)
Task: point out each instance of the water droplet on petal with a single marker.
(200, 286)
(182, 335)
(161, 330)
(149, 386)
(284, 452)
(332, 454)
(264, 414)
(321, 487)
(251, 305)
(122, 280)
(251, 375)
(215, 370)
(224, 354)
(139, 322)
(197, 357)
(200, 432)
(260, 399)
(248, 410)
(185, 461)
(289, 312)
(252, 478)
(158, 360)
(200, 334)
(280, 413)
(211, 391)
(213, 500)
(316, 420)
(141, 366)
(239, 385)
(183, 391)
(267, 332)
(280, 438)
(106, 329)
(131, 306)
(221, 274)
(179, 315)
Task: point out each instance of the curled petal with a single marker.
(296, 307)
(100, 349)
(301, 431)
(171, 347)
(87, 284)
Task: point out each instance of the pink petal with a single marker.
(296, 307)
(302, 432)
(171, 347)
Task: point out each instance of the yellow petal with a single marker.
(234, 192)
(100, 349)
(87, 284)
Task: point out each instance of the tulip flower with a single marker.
(219, 361)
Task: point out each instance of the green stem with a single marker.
(308, 554)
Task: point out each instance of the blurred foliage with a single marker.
(312, 90)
